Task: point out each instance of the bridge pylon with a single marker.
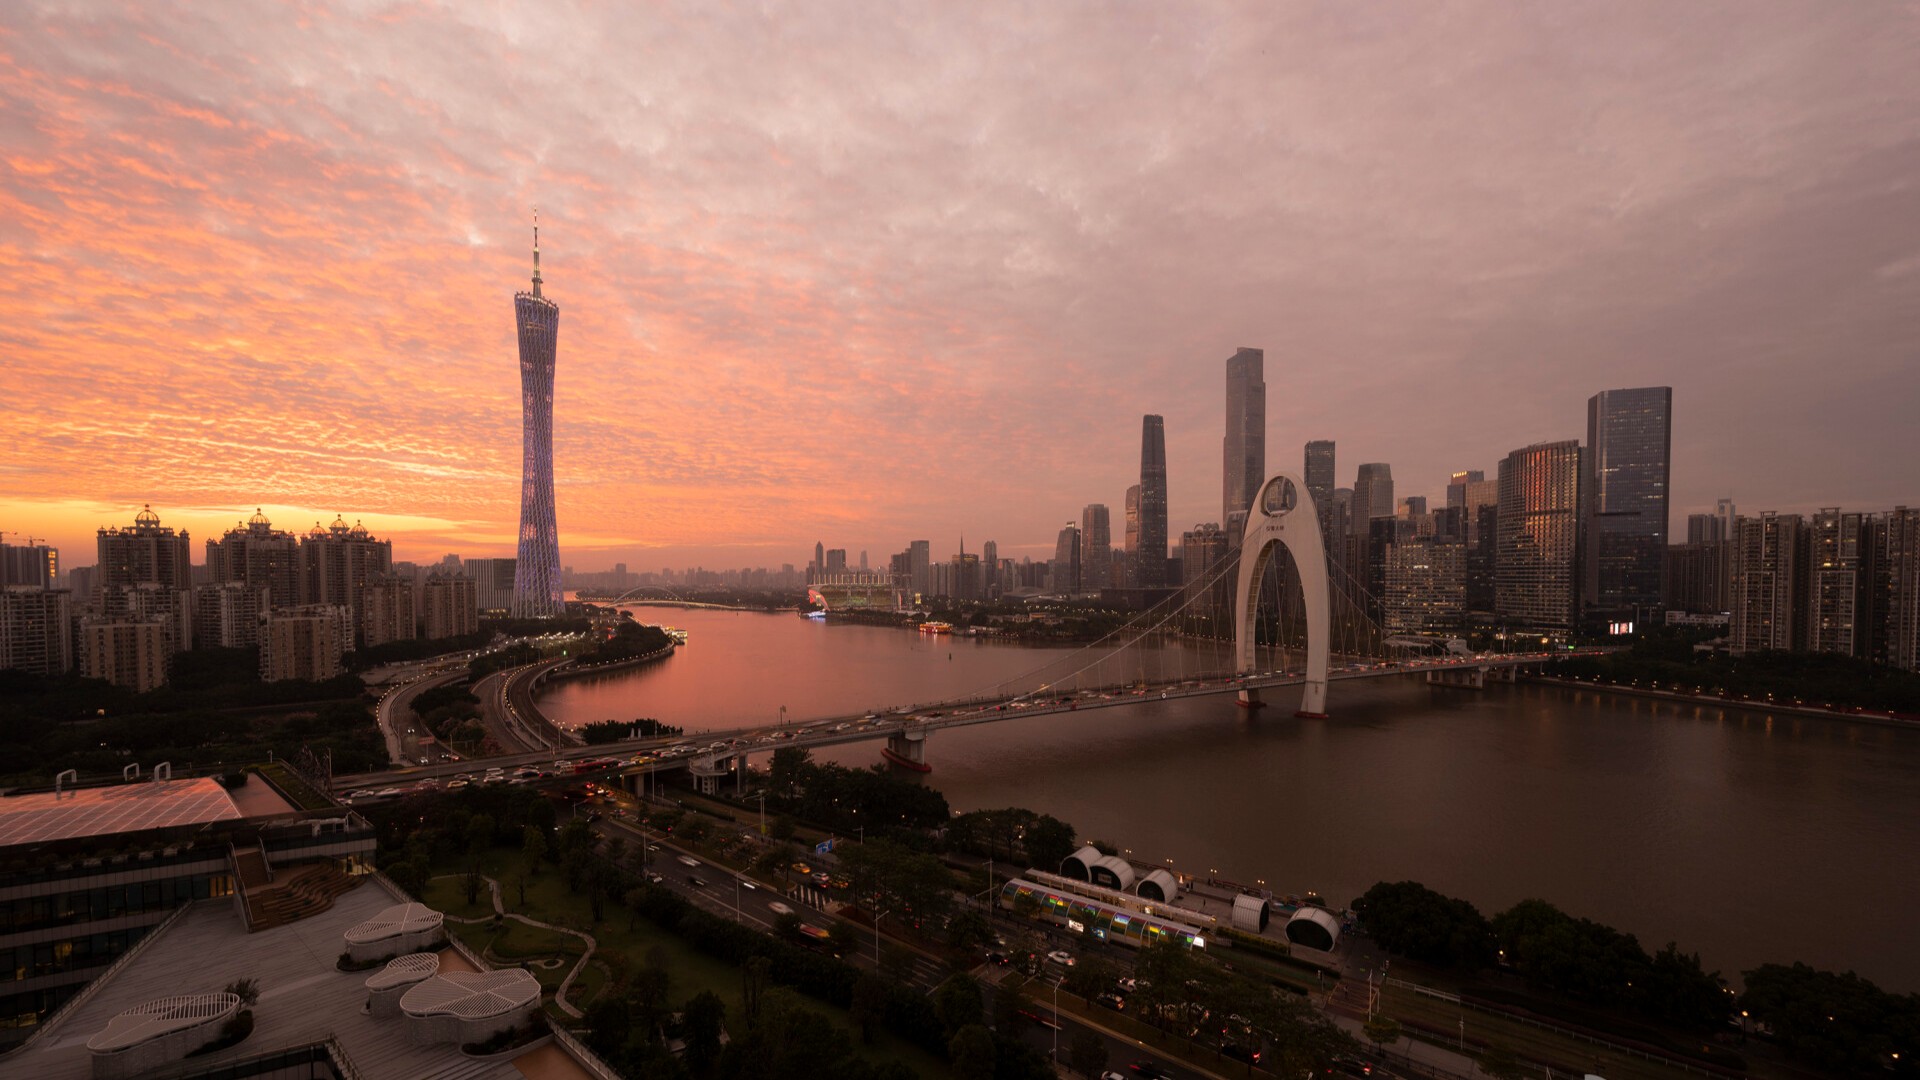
(1284, 516)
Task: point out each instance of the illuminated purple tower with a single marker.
(536, 575)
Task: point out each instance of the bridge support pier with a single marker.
(907, 750)
(1249, 698)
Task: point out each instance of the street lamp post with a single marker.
(1056, 1024)
(876, 936)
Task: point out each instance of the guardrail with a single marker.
(67, 1007)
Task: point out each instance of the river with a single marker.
(1745, 837)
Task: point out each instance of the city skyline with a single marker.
(206, 258)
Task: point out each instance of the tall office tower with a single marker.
(1341, 521)
(1412, 506)
(1837, 583)
(1066, 561)
(1723, 509)
(258, 555)
(1628, 458)
(145, 554)
(337, 563)
(1372, 498)
(1696, 578)
(1426, 588)
(1538, 551)
(1705, 529)
(36, 629)
(127, 651)
(966, 585)
(836, 560)
(1132, 542)
(1383, 535)
(536, 574)
(1319, 476)
(226, 614)
(818, 567)
(920, 555)
(1096, 547)
(1483, 554)
(1150, 562)
(1457, 486)
(1244, 450)
(990, 580)
(1201, 549)
(1768, 582)
(32, 564)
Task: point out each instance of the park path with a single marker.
(500, 910)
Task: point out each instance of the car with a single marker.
(1061, 957)
(656, 879)
(1111, 1075)
(779, 908)
(456, 784)
(1151, 1070)
(1112, 1001)
(802, 869)
(688, 860)
(696, 881)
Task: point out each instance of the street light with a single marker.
(876, 935)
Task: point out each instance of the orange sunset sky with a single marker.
(871, 273)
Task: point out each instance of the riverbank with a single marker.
(1724, 701)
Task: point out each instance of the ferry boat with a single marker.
(936, 628)
(678, 635)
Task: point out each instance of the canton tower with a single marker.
(536, 574)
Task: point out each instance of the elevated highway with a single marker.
(724, 750)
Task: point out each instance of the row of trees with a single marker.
(1667, 657)
(601, 732)
(1840, 1022)
(629, 639)
(1012, 835)
(877, 800)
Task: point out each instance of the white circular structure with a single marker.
(464, 1006)
(402, 928)
(152, 1034)
(1158, 885)
(386, 986)
(1314, 928)
(1285, 516)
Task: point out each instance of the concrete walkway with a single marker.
(499, 909)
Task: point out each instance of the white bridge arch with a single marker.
(1284, 515)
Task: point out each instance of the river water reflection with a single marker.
(1744, 837)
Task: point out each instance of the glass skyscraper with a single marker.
(1539, 528)
(536, 575)
(1244, 450)
(1628, 461)
(1150, 559)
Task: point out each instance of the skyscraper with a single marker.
(1244, 450)
(1768, 583)
(1838, 576)
(1372, 498)
(1096, 547)
(1628, 459)
(1457, 486)
(259, 556)
(145, 554)
(1150, 562)
(1319, 477)
(1131, 545)
(536, 574)
(1539, 528)
(1066, 560)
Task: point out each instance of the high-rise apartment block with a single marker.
(1539, 528)
(1894, 602)
(492, 583)
(536, 583)
(1768, 580)
(1628, 461)
(447, 606)
(1244, 449)
(128, 651)
(258, 555)
(305, 642)
(337, 564)
(1838, 575)
(1696, 577)
(386, 611)
(147, 553)
(226, 614)
(32, 564)
(36, 629)
(1150, 564)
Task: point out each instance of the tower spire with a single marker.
(536, 251)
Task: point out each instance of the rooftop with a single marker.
(304, 997)
(105, 811)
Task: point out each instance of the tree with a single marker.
(633, 899)
(705, 1018)
(971, 1051)
(968, 929)
(842, 937)
(472, 881)
(959, 1003)
(1408, 918)
(1499, 1062)
(1048, 842)
(868, 1004)
(247, 990)
(1088, 1052)
(786, 768)
(1009, 1001)
(753, 985)
(1842, 1023)
(1382, 1030)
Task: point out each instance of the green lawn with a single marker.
(621, 938)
